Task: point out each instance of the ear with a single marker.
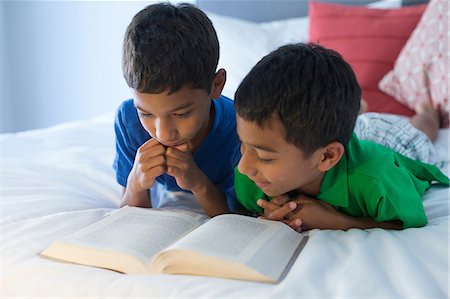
(218, 83)
(331, 155)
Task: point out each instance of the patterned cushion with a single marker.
(421, 72)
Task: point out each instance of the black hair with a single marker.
(170, 46)
(311, 89)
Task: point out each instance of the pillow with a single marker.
(421, 72)
(286, 31)
(244, 43)
(370, 40)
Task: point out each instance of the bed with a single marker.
(57, 180)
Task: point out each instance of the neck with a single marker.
(313, 188)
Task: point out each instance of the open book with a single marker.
(146, 241)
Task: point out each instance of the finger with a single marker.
(302, 199)
(153, 162)
(181, 172)
(185, 147)
(280, 200)
(267, 205)
(151, 148)
(295, 224)
(181, 164)
(275, 212)
(282, 212)
(143, 157)
(173, 171)
(150, 143)
(156, 171)
(176, 153)
(149, 177)
(299, 207)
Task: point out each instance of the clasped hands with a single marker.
(302, 213)
(154, 159)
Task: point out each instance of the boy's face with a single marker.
(175, 119)
(275, 165)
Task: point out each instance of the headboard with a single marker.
(265, 10)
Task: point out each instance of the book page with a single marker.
(135, 231)
(266, 246)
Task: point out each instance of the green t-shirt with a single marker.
(369, 181)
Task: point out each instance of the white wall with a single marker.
(61, 60)
(5, 118)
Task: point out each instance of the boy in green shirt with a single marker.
(296, 112)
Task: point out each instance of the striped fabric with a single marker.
(397, 133)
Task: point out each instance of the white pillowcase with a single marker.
(244, 43)
(286, 31)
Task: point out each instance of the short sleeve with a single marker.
(398, 196)
(130, 135)
(124, 158)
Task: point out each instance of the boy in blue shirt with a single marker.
(177, 133)
(301, 162)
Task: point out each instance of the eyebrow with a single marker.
(263, 147)
(183, 106)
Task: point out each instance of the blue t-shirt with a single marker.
(217, 156)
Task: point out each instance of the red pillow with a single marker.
(369, 40)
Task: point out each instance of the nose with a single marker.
(165, 131)
(246, 165)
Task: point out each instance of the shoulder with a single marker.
(225, 116)
(224, 105)
(127, 126)
(368, 158)
(375, 167)
(383, 187)
(368, 168)
(126, 113)
(222, 142)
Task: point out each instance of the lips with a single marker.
(262, 185)
(171, 144)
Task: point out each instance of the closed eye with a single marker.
(256, 157)
(145, 115)
(265, 161)
(182, 115)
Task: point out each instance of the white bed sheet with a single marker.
(57, 180)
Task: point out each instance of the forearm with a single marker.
(366, 223)
(317, 214)
(211, 199)
(136, 198)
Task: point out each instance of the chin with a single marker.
(276, 193)
(271, 193)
